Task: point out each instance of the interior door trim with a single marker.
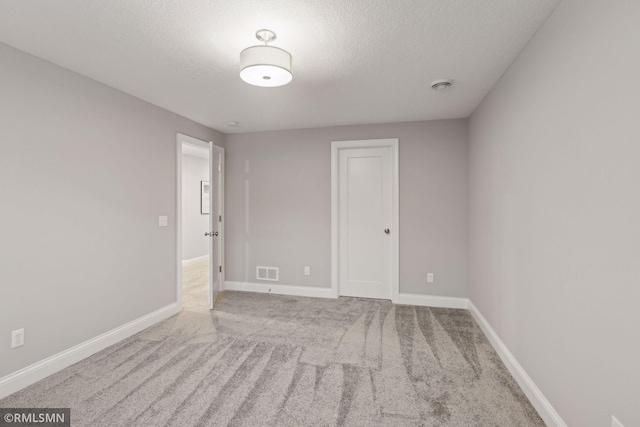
(220, 218)
(188, 140)
(336, 147)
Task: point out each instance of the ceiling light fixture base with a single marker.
(265, 36)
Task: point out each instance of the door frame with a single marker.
(220, 151)
(189, 140)
(336, 147)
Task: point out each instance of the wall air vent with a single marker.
(267, 273)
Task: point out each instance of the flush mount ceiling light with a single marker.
(441, 84)
(266, 66)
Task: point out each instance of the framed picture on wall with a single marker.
(204, 197)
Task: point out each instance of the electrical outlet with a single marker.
(429, 277)
(17, 338)
(615, 422)
(307, 271)
(163, 221)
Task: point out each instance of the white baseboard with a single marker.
(33, 373)
(191, 260)
(304, 291)
(432, 301)
(300, 291)
(537, 399)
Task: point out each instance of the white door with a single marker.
(365, 221)
(216, 197)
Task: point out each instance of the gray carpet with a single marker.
(261, 360)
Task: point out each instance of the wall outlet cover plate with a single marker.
(17, 338)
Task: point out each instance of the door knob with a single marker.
(212, 234)
(387, 231)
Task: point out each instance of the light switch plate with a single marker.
(162, 221)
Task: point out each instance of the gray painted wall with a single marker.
(278, 195)
(555, 208)
(194, 224)
(85, 171)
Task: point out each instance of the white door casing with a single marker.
(213, 225)
(216, 216)
(216, 249)
(365, 185)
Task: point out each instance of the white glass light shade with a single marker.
(266, 66)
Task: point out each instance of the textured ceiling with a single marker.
(354, 62)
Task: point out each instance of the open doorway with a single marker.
(200, 245)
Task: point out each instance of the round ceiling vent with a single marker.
(441, 84)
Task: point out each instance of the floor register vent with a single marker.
(267, 273)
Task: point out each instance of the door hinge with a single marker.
(220, 269)
(219, 218)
